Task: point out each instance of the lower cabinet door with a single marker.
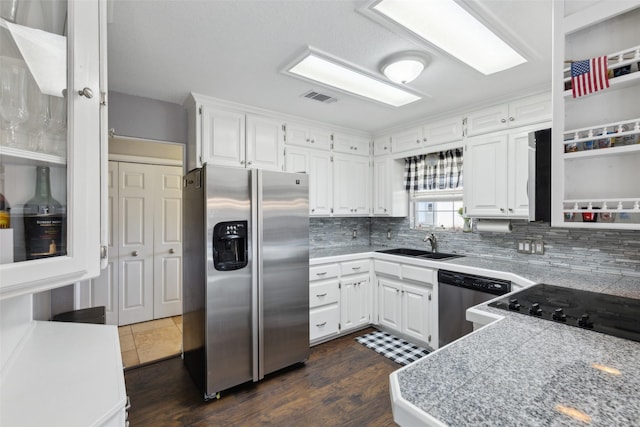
(323, 321)
(389, 307)
(416, 309)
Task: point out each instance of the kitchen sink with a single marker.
(417, 253)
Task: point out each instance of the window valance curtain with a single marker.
(435, 171)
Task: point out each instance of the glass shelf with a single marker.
(27, 157)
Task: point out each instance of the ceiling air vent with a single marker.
(312, 94)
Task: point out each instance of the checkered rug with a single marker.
(391, 347)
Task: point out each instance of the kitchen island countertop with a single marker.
(520, 370)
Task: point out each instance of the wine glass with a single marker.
(58, 124)
(39, 116)
(13, 104)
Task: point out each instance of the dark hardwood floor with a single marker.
(342, 384)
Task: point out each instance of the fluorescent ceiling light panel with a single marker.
(450, 27)
(330, 73)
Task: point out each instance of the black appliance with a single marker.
(606, 313)
(456, 293)
(539, 187)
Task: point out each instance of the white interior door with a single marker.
(135, 246)
(167, 242)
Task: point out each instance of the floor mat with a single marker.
(391, 347)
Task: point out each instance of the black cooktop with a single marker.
(609, 314)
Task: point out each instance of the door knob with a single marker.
(86, 92)
(134, 253)
(172, 251)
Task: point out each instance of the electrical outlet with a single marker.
(538, 247)
(524, 246)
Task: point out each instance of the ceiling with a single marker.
(236, 50)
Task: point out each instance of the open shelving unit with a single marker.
(596, 138)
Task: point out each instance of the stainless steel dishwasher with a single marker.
(456, 293)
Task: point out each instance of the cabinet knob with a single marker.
(424, 139)
(134, 253)
(417, 141)
(86, 92)
(510, 210)
(172, 251)
(313, 140)
(511, 119)
(385, 148)
(308, 140)
(242, 162)
(249, 162)
(355, 210)
(385, 209)
(503, 121)
(501, 209)
(313, 210)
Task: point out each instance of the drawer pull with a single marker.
(128, 405)
(356, 268)
(321, 324)
(321, 274)
(321, 295)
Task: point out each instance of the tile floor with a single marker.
(146, 342)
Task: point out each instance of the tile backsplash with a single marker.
(612, 251)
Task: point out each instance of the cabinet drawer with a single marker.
(323, 321)
(319, 272)
(354, 267)
(323, 293)
(417, 274)
(388, 268)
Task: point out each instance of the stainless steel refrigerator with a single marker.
(246, 274)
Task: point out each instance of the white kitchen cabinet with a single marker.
(430, 134)
(265, 143)
(308, 136)
(355, 299)
(595, 149)
(74, 152)
(351, 144)
(417, 309)
(390, 303)
(225, 136)
(533, 109)
(407, 303)
(382, 145)
(354, 302)
(389, 195)
(316, 163)
(324, 302)
(497, 174)
(409, 139)
(351, 179)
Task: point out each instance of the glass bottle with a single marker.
(5, 208)
(44, 220)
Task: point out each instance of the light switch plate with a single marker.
(538, 247)
(524, 246)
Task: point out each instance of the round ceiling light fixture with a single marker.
(404, 67)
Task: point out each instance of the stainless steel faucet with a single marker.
(431, 238)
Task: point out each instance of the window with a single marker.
(434, 182)
(432, 212)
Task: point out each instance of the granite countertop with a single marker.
(520, 370)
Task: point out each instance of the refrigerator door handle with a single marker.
(258, 290)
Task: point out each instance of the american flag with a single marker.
(589, 76)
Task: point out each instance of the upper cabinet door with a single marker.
(222, 137)
(406, 140)
(485, 176)
(488, 120)
(518, 175)
(305, 136)
(350, 144)
(50, 132)
(265, 139)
